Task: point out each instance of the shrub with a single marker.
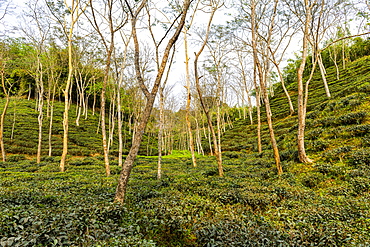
(317, 145)
(365, 141)
(360, 157)
(351, 118)
(261, 162)
(289, 155)
(312, 180)
(328, 121)
(359, 130)
(365, 88)
(232, 154)
(329, 169)
(15, 157)
(360, 184)
(313, 114)
(87, 161)
(337, 153)
(238, 232)
(314, 134)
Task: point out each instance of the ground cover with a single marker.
(309, 205)
(324, 203)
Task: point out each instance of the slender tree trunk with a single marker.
(40, 86)
(66, 105)
(271, 130)
(218, 122)
(258, 106)
(120, 123)
(94, 100)
(102, 122)
(14, 118)
(334, 57)
(160, 132)
(262, 78)
(150, 96)
(40, 118)
(2, 119)
(343, 55)
(188, 101)
(197, 83)
(301, 104)
(74, 14)
(102, 107)
(216, 148)
(51, 121)
(210, 140)
(323, 75)
(199, 139)
(112, 121)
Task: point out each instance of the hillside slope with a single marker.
(337, 129)
(21, 131)
(322, 204)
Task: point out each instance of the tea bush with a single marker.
(360, 158)
(189, 207)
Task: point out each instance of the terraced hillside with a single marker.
(337, 129)
(21, 131)
(326, 203)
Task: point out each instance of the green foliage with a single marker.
(325, 203)
(83, 140)
(360, 157)
(188, 207)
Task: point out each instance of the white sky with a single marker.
(177, 74)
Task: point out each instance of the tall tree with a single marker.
(75, 11)
(150, 95)
(38, 37)
(316, 18)
(242, 78)
(113, 24)
(262, 66)
(217, 66)
(214, 5)
(6, 87)
(188, 86)
(303, 9)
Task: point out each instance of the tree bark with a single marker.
(188, 101)
(206, 111)
(262, 78)
(258, 106)
(301, 97)
(40, 109)
(323, 75)
(66, 103)
(74, 14)
(127, 166)
(7, 100)
(160, 132)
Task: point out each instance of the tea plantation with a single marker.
(326, 203)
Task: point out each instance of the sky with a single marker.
(177, 75)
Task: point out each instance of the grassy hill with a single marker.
(337, 128)
(22, 115)
(326, 203)
(21, 131)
